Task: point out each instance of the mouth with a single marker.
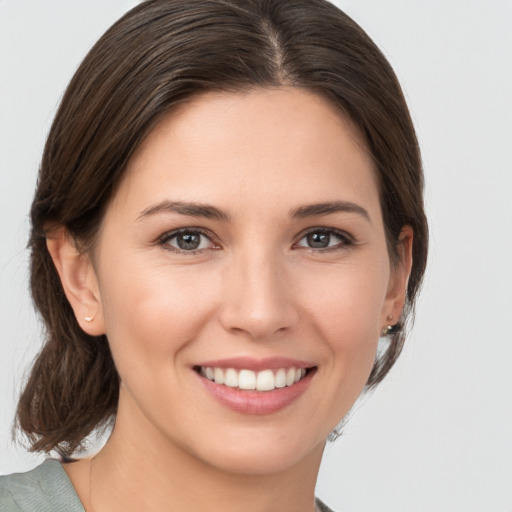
(250, 380)
(256, 387)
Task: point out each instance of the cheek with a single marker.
(154, 312)
(346, 309)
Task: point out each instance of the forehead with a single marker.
(286, 144)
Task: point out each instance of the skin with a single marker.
(254, 288)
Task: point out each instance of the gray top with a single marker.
(47, 488)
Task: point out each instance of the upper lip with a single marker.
(249, 363)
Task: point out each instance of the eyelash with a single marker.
(164, 240)
(346, 240)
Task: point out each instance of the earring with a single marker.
(89, 318)
(386, 330)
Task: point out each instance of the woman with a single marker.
(228, 218)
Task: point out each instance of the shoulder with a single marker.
(321, 506)
(48, 489)
(44, 489)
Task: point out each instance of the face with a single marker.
(242, 279)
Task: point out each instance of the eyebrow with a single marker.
(329, 208)
(207, 211)
(190, 209)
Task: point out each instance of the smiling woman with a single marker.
(228, 218)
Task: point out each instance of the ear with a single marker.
(78, 279)
(399, 278)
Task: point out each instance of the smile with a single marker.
(244, 379)
(256, 386)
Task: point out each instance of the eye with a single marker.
(187, 240)
(324, 239)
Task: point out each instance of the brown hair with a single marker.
(160, 53)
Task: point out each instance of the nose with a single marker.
(258, 298)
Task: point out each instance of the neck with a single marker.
(152, 473)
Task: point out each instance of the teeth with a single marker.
(218, 375)
(265, 380)
(246, 379)
(231, 378)
(280, 378)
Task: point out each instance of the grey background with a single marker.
(437, 434)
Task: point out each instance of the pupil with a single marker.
(188, 241)
(318, 240)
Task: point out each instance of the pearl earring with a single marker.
(89, 318)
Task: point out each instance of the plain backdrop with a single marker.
(436, 436)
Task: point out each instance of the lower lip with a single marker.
(257, 402)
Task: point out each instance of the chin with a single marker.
(262, 451)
